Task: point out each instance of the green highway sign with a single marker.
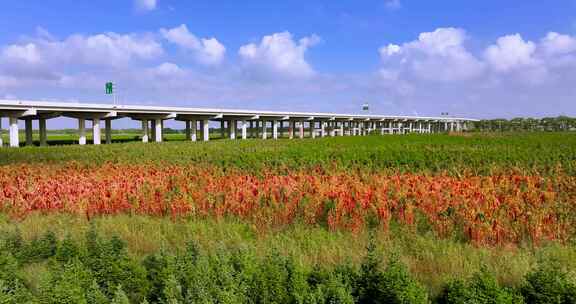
(109, 88)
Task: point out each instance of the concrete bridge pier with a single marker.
(244, 129)
(193, 130)
(158, 130)
(1, 141)
(232, 129)
(222, 130)
(108, 131)
(14, 136)
(274, 129)
(312, 129)
(145, 131)
(81, 131)
(205, 124)
(96, 131)
(264, 130)
(28, 131)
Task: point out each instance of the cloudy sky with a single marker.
(471, 58)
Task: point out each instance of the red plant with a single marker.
(491, 210)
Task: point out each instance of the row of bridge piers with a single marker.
(200, 128)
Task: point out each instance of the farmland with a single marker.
(434, 212)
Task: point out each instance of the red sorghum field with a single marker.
(436, 217)
(497, 209)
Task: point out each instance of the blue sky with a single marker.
(474, 58)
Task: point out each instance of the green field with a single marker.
(51, 256)
(477, 153)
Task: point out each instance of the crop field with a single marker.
(452, 218)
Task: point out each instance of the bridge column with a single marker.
(341, 128)
(322, 129)
(145, 132)
(222, 131)
(82, 131)
(151, 130)
(264, 130)
(291, 127)
(108, 131)
(1, 141)
(193, 130)
(187, 132)
(205, 129)
(14, 137)
(232, 129)
(312, 127)
(275, 129)
(301, 129)
(158, 130)
(96, 131)
(28, 131)
(244, 129)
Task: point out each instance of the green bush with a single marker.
(12, 288)
(100, 271)
(549, 284)
(109, 262)
(482, 288)
(393, 285)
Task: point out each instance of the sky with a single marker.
(481, 59)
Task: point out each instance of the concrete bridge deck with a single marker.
(234, 123)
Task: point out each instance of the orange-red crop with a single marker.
(491, 210)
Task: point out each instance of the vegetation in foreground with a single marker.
(459, 214)
(96, 266)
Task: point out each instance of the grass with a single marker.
(432, 261)
(478, 153)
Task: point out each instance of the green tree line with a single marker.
(560, 123)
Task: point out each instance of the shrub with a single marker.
(393, 285)
(548, 284)
(12, 288)
(109, 262)
(120, 296)
(67, 250)
(482, 288)
(69, 283)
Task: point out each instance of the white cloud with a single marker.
(437, 56)
(279, 55)
(393, 4)
(207, 51)
(555, 43)
(168, 70)
(559, 50)
(27, 53)
(511, 52)
(145, 5)
(108, 49)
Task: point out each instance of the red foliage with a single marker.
(489, 210)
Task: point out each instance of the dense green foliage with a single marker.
(99, 270)
(560, 123)
(476, 154)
